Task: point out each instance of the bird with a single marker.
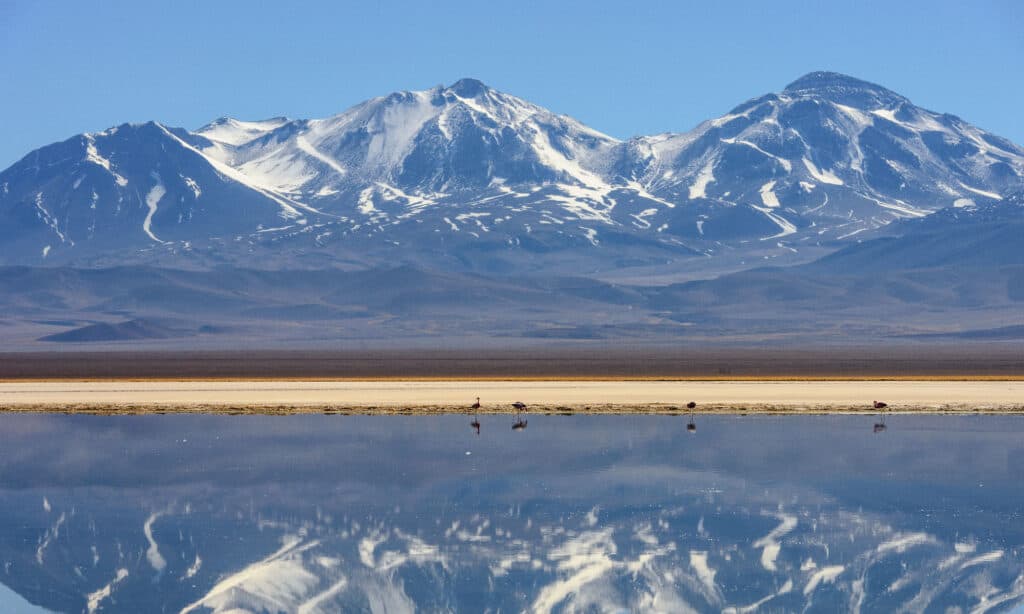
(519, 424)
(880, 405)
(476, 406)
(691, 405)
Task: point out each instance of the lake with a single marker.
(321, 513)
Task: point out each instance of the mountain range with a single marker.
(457, 208)
(469, 177)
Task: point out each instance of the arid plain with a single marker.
(946, 380)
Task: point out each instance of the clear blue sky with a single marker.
(624, 67)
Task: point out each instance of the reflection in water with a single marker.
(328, 513)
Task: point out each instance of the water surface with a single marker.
(316, 513)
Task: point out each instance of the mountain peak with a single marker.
(844, 89)
(468, 88)
(825, 79)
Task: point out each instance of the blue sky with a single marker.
(625, 68)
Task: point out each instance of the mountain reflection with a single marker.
(391, 514)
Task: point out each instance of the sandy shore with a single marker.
(264, 396)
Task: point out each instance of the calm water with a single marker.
(573, 513)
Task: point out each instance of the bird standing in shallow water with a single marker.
(691, 426)
(519, 424)
(475, 423)
(880, 425)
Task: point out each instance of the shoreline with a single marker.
(538, 410)
(578, 396)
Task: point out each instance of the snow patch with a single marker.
(821, 175)
(308, 148)
(989, 557)
(93, 155)
(278, 579)
(699, 563)
(861, 119)
(365, 204)
(192, 185)
(591, 235)
(826, 575)
(991, 195)
(194, 568)
(45, 216)
(156, 560)
(770, 543)
(152, 200)
(94, 598)
(784, 163)
(900, 543)
(706, 176)
(768, 196)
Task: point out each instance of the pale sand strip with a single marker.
(497, 395)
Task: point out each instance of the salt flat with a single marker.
(391, 395)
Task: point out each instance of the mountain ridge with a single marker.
(488, 179)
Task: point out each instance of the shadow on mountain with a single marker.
(121, 331)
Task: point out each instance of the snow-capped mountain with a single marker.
(830, 156)
(466, 173)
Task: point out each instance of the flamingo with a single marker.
(519, 424)
(880, 405)
(691, 426)
(475, 423)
